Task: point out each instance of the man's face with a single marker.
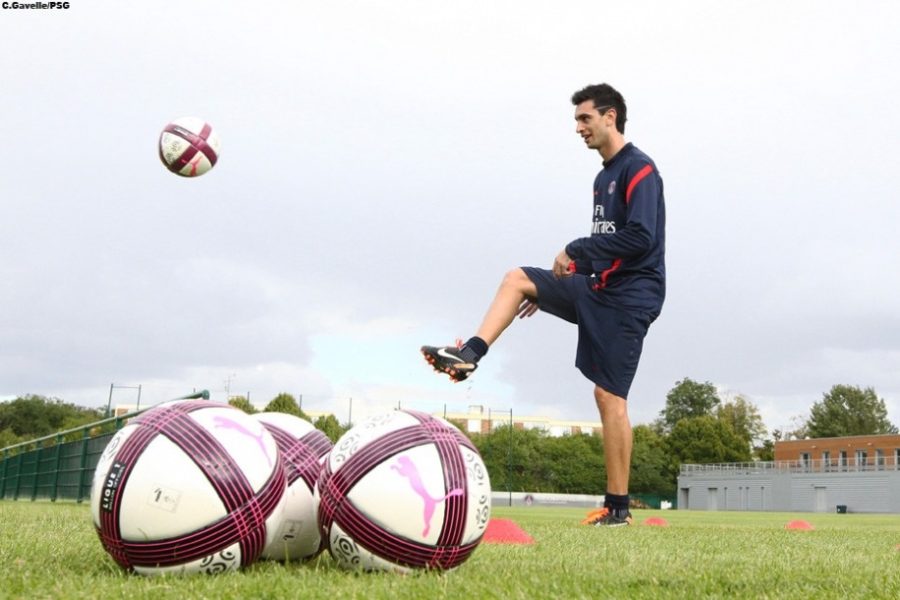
(594, 125)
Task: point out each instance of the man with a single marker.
(611, 284)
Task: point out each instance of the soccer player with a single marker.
(611, 284)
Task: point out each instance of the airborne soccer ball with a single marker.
(303, 449)
(188, 486)
(189, 147)
(403, 491)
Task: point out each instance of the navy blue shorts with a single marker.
(610, 340)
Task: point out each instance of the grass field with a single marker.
(51, 551)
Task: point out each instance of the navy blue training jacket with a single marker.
(626, 249)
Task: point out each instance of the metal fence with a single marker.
(51, 467)
(61, 465)
(848, 465)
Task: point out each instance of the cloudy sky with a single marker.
(385, 162)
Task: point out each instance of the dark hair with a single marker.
(603, 95)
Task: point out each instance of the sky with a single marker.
(384, 163)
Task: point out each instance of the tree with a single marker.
(512, 458)
(744, 418)
(765, 451)
(651, 465)
(330, 426)
(849, 410)
(33, 416)
(286, 403)
(531, 460)
(8, 438)
(572, 464)
(687, 400)
(705, 440)
(796, 430)
(242, 403)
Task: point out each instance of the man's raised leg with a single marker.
(460, 362)
(515, 288)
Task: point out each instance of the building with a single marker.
(849, 474)
(881, 451)
(481, 420)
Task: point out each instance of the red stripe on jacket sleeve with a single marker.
(636, 180)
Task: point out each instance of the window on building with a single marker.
(804, 460)
(897, 458)
(826, 460)
(879, 459)
(861, 458)
(842, 460)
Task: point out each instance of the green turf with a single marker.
(51, 551)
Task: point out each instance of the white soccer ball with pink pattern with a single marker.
(189, 147)
(188, 486)
(402, 491)
(303, 449)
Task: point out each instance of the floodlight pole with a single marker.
(509, 457)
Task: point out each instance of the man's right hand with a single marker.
(562, 265)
